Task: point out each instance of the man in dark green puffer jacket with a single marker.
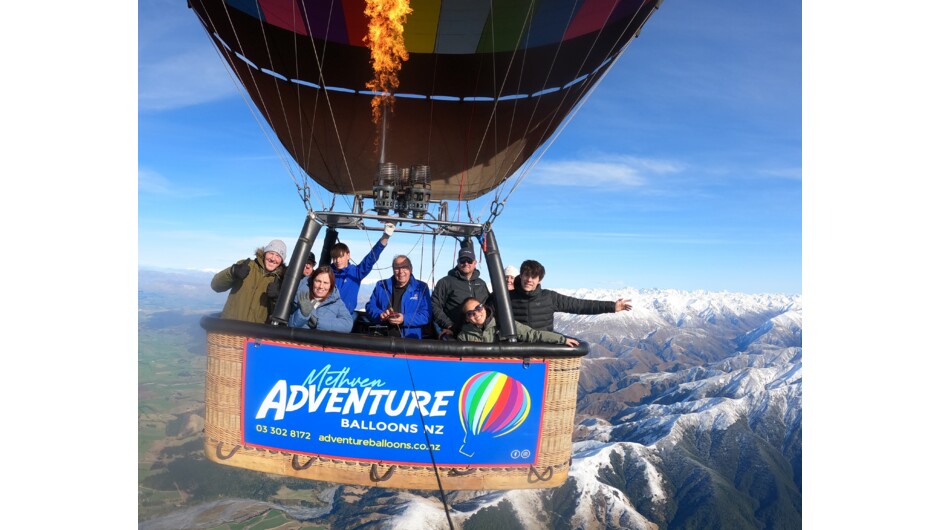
(536, 307)
(255, 284)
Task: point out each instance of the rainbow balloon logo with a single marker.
(492, 404)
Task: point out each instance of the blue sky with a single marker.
(690, 150)
(722, 103)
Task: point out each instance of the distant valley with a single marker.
(689, 416)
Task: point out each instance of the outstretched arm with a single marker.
(577, 306)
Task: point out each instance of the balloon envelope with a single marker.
(485, 85)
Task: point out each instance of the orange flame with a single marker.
(387, 44)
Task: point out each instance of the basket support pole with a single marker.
(507, 326)
(308, 234)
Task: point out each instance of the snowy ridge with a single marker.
(617, 511)
(689, 415)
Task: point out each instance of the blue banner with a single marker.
(393, 409)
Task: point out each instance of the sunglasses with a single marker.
(474, 310)
(464, 261)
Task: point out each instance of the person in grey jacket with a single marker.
(536, 307)
(480, 326)
(462, 282)
(318, 305)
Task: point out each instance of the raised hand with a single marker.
(240, 270)
(306, 306)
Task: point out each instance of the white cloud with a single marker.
(154, 183)
(177, 65)
(620, 171)
(794, 173)
(188, 78)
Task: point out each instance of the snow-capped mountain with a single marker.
(689, 416)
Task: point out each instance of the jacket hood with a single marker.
(332, 296)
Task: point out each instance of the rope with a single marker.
(547, 476)
(326, 96)
(374, 475)
(437, 474)
(586, 92)
(277, 86)
(294, 462)
(218, 452)
(512, 59)
(241, 87)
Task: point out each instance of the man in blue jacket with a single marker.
(349, 277)
(401, 302)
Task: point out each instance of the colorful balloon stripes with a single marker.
(493, 403)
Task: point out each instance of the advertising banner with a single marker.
(392, 409)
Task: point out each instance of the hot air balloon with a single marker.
(492, 403)
(409, 106)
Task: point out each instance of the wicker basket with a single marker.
(225, 353)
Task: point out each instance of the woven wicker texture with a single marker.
(223, 435)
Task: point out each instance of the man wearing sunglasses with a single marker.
(480, 326)
(462, 282)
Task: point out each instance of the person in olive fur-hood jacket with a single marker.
(255, 284)
(536, 307)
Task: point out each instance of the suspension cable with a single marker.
(326, 96)
(240, 86)
(586, 91)
(427, 439)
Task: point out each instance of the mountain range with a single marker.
(689, 416)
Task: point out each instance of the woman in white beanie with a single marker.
(255, 284)
(510, 272)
